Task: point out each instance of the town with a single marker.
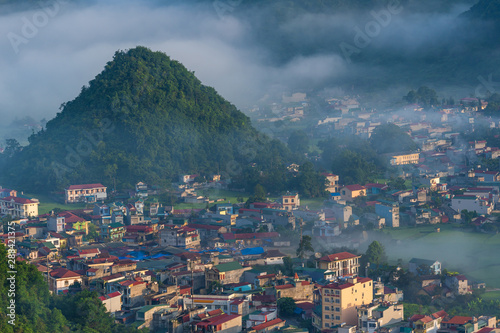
(200, 257)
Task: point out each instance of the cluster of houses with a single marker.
(186, 270)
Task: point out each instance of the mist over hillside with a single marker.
(249, 49)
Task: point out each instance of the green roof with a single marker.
(146, 308)
(115, 225)
(229, 266)
(49, 245)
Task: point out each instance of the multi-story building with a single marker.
(56, 223)
(373, 317)
(230, 304)
(18, 207)
(226, 273)
(471, 203)
(390, 212)
(341, 264)
(290, 201)
(332, 182)
(85, 193)
(185, 237)
(61, 278)
(350, 192)
(404, 158)
(338, 302)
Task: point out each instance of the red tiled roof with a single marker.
(18, 200)
(416, 317)
(115, 294)
(285, 286)
(89, 251)
(218, 320)
(338, 256)
(440, 314)
(458, 320)
(84, 186)
(258, 235)
(61, 273)
(267, 324)
(355, 187)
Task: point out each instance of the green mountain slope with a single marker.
(145, 117)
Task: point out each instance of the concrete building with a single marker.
(472, 203)
(61, 278)
(56, 223)
(226, 273)
(433, 266)
(290, 201)
(350, 192)
(390, 212)
(112, 302)
(373, 317)
(85, 193)
(223, 323)
(230, 304)
(404, 158)
(18, 207)
(185, 237)
(341, 264)
(339, 302)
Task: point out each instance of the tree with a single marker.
(397, 183)
(298, 142)
(390, 138)
(305, 245)
(12, 146)
(425, 96)
(287, 266)
(286, 306)
(309, 182)
(92, 234)
(259, 194)
(376, 253)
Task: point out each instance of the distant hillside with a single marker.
(145, 117)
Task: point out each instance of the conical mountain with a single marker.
(145, 117)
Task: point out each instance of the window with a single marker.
(327, 317)
(337, 318)
(337, 309)
(327, 325)
(327, 308)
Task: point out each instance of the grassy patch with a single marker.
(47, 204)
(469, 253)
(492, 295)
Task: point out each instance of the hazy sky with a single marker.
(42, 68)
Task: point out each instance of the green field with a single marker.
(47, 204)
(470, 253)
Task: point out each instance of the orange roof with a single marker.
(267, 324)
(458, 320)
(62, 273)
(338, 256)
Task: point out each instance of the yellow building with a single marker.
(19, 207)
(349, 192)
(343, 263)
(339, 302)
(402, 159)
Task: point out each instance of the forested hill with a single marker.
(144, 118)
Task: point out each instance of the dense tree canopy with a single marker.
(425, 96)
(144, 118)
(390, 138)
